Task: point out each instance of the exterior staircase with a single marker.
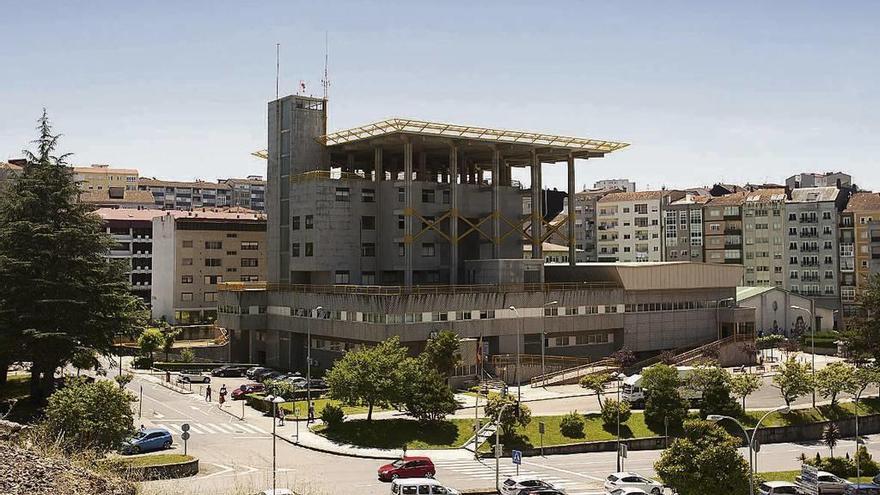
(574, 374)
(485, 434)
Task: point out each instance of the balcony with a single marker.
(809, 249)
(809, 263)
(733, 231)
(847, 267)
(809, 234)
(810, 278)
(808, 219)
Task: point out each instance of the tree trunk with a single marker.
(744, 404)
(370, 411)
(4, 373)
(35, 381)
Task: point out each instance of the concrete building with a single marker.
(683, 228)
(774, 313)
(553, 253)
(248, 193)
(586, 231)
(630, 225)
(839, 180)
(118, 197)
(860, 256)
(764, 236)
(723, 229)
(194, 252)
(624, 185)
(100, 177)
(185, 196)
(132, 230)
(812, 243)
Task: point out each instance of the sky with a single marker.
(704, 91)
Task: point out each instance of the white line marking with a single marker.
(564, 471)
(225, 469)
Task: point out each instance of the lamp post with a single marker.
(309, 361)
(518, 337)
(275, 402)
(619, 376)
(750, 439)
(544, 339)
(498, 445)
(857, 458)
(812, 345)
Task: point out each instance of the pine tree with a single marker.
(59, 293)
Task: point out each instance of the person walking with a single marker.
(311, 414)
(208, 394)
(279, 412)
(222, 394)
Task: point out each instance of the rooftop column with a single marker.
(572, 252)
(453, 215)
(537, 215)
(380, 244)
(408, 213)
(496, 204)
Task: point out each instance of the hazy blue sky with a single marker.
(704, 91)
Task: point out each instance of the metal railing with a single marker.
(559, 376)
(393, 290)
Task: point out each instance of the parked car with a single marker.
(229, 370)
(251, 372)
(193, 377)
(408, 467)
(276, 491)
(626, 491)
(259, 374)
(272, 375)
(515, 484)
(148, 440)
(829, 484)
(540, 491)
(248, 388)
(420, 486)
(632, 480)
(862, 489)
(296, 381)
(777, 487)
(318, 383)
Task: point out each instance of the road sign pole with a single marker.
(141, 403)
(541, 431)
(185, 436)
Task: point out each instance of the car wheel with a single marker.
(655, 491)
(166, 445)
(135, 449)
(207, 380)
(429, 475)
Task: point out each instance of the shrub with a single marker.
(866, 463)
(89, 416)
(187, 356)
(512, 415)
(142, 363)
(610, 411)
(332, 415)
(572, 425)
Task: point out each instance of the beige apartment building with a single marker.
(864, 253)
(723, 229)
(764, 235)
(101, 177)
(629, 226)
(195, 251)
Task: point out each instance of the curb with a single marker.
(176, 389)
(334, 452)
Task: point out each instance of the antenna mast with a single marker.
(277, 67)
(326, 81)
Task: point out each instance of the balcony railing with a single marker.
(809, 263)
(391, 290)
(809, 219)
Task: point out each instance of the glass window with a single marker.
(294, 223)
(213, 244)
(428, 249)
(294, 250)
(368, 249)
(342, 194)
(186, 296)
(368, 195)
(187, 244)
(250, 245)
(368, 223)
(249, 262)
(186, 279)
(210, 297)
(341, 277)
(213, 262)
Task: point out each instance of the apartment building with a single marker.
(624, 185)
(723, 228)
(249, 192)
(839, 180)
(812, 243)
(176, 195)
(117, 197)
(860, 256)
(101, 177)
(764, 236)
(132, 232)
(195, 251)
(630, 225)
(683, 228)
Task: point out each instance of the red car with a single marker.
(408, 467)
(247, 388)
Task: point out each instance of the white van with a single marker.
(420, 486)
(633, 392)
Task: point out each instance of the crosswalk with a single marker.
(484, 470)
(215, 428)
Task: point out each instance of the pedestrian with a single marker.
(222, 395)
(279, 412)
(311, 413)
(208, 394)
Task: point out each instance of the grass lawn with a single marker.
(147, 460)
(395, 433)
(790, 475)
(822, 413)
(302, 407)
(594, 430)
(17, 386)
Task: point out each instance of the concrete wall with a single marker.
(773, 312)
(164, 263)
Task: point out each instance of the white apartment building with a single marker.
(629, 226)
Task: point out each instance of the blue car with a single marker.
(148, 440)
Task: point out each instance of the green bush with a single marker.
(610, 412)
(866, 463)
(142, 363)
(89, 416)
(572, 425)
(844, 466)
(332, 415)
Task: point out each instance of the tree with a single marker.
(151, 341)
(280, 388)
(596, 383)
(572, 425)
(862, 334)
(704, 460)
(169, 335)
(862, 378)
(830, 436)
(187, 355)
(84, 359)
(123, 379)
(834, 379)
(511, 416)
(714, 384)
(794, 380)
(614, 411)
(743, 385)
(443, 353)
(664, 401)
(425, 394)
(59, 292)
(369, 376)
(624, 357)
(90, 416)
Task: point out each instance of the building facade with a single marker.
(839, 180)
(132, 232)
(860, 257)
(764, 235)
(624, 185)
(248, 193)
(723, 229)
(630, 225)
(185, 196)
(102, 177)
(683, 228)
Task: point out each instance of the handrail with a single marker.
(563, 374)
(393, 290)
(508, 359)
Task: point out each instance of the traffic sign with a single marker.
(541, 427)
(185, 436)
(623, 450)
(756, 446)
(184, 427)
(516, 456)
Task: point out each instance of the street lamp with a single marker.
(812, 344)
(518, 337)
(619, 376)
(544, 338)
(275, 402)
(309, 362)
(750, 439)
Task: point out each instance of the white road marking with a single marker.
(564, 471)
(225, 469)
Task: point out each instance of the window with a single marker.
(186, 261)
(294, 223)
(401, 195)
(342, 194)
(427, 195)
(210, 297)
(213, 244)
(551, 311)
(213, 262)
(641, 209)
(368, 249)
(826, 215)
(310, 249)
(231, 253)
(186, 279)
(401, 249)
(250, 245)
(249, 262)
(446, 197)
(294, 250)
(401, 222)
(249, 278)
(368, 278)
(213, 279)
(439, 316)
(463, 315)
(187, 244)
(310, 222)
(186, 296)
(368, 195)
(487, 314)
(341, 277)
(368, 223)
(428, 249)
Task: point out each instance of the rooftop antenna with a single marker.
(277, 67)
(326, 81)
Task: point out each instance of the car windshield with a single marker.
(398, 463)
(139, 435)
